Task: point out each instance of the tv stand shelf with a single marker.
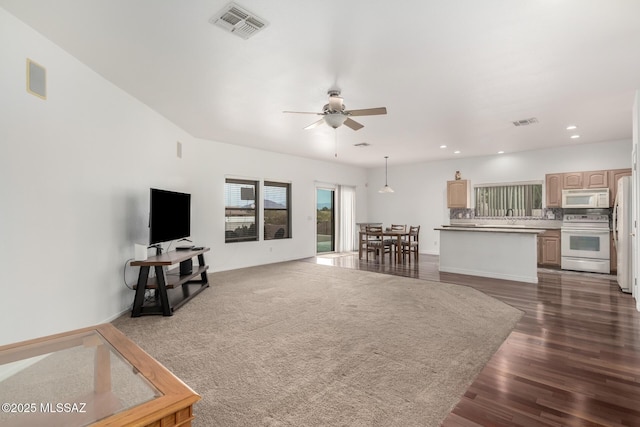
(174, 278)
(167, 302)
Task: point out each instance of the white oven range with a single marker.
(585, 243)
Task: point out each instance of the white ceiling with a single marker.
(456, 73)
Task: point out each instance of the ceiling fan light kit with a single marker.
(335, 120)
(386, 188)
(335, 115)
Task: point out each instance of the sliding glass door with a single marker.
(325, 220)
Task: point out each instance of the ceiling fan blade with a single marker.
(314, 124)
(367, 112)
(335, 103)
(353, 124)
(303, 112)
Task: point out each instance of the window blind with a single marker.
(241, 209)
(508, 200)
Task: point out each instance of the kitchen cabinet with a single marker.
(549, 248)
(553, 190)
(572, 180)
(556, 182)
(614, 176)
(459, 194)
(596, 179)
(588, 179)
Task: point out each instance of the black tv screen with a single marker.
(169, 216)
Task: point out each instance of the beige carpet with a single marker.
(300, 344)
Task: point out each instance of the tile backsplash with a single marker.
(547, 213)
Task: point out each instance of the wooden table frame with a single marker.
(172, 408)
(398, 234)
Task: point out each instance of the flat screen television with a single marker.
(169, 216)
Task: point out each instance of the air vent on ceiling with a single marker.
(525, 122)
(238, 20)
(362, 144)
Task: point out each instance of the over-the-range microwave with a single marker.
(585, 198)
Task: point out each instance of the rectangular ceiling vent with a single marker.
(238, 20)
(525, 122)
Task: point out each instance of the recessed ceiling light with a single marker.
(500, 152)
(456, 152)
(575, 136)
(572, 127)
(443, 146)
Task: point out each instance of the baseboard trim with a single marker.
(115, 316)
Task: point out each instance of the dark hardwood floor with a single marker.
(573, 359)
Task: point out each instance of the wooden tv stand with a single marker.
(167, 302)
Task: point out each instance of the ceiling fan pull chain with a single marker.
(336, 131)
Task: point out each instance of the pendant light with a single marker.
(386, 188)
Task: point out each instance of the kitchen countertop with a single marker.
(543, 224)
(492, 229)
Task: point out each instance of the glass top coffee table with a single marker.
(93, 376)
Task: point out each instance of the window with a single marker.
(513, 199)
(277, 211)
(241, 210)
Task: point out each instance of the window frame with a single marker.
(256, 209)
(265, 209)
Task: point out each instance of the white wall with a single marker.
(420, 189)
(74, 188)
(210, 162)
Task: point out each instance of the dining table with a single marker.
(397, 234)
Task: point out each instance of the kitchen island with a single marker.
(508, 253)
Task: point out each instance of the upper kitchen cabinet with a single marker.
(596, 179)
(589, 179)
(614, 176)
(556, 182)
(553, 190)
(459, 194)
(572, 180)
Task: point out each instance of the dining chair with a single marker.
(364, 237)
(411, 245)
(393, 240)
(376, 242)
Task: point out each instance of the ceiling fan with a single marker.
(335, 115)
